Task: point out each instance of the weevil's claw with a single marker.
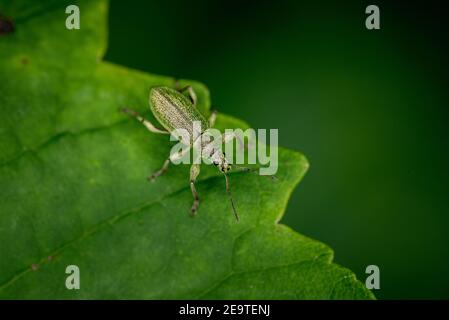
(151, 178)
(129, 111)
(194, 208)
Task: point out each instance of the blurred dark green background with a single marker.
(368, 108)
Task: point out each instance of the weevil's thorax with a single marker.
(174, 110)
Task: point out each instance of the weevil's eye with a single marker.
(228, 168)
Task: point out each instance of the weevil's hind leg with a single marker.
(188, 88)
(194, 172)
(212, 118)
(191, 92)
(144, 121)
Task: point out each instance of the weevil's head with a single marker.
(219, 160)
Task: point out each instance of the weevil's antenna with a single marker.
(253, 170)
(228, 191)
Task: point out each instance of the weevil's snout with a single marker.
(225, 167)
(222, 164)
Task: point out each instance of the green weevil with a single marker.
(174, 110)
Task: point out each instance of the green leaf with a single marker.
(74, 191)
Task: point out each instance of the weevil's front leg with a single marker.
(194, 172)
(144, 121)
(172, 157)
(212, 118)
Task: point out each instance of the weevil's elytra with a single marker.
(173, 110)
